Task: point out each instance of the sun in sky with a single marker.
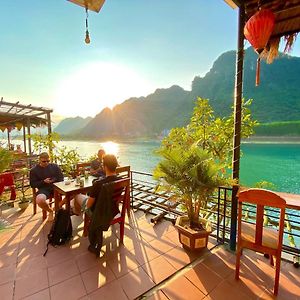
(111, 148)
(97, 85)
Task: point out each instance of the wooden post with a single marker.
(24, 138)
(29, 138)
(237, 124)
(8, 137)
(49, 133)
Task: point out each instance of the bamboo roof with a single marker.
(16, 115)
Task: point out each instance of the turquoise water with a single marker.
(275, 163)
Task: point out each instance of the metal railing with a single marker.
(218, 211)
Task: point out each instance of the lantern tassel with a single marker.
(257, 72)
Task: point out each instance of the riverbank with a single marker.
(273, 139)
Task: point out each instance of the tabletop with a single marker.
(65, 188)
(70, 190)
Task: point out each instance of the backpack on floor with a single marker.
(61, 230)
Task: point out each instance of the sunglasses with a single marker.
(45, 161)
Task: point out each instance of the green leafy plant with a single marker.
(265, 185)
(66, 158)
(211, 133)
(6, 158)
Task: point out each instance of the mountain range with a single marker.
(276, 99)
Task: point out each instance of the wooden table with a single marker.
(292, 200)
(70, 190)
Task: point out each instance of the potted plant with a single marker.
(191, 176)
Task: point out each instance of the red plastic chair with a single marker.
(7, 181)
(257, 237)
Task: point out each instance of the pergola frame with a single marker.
(287, 22)
(16, 115)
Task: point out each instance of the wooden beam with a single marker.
(238, 93)
(233, 3)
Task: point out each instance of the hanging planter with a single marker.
(257, 31)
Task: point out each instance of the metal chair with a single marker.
(257, 237)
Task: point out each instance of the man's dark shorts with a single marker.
(47, 192)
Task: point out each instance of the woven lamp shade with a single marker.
(257, 31)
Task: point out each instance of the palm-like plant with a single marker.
(191, 176)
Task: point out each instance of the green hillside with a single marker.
(291, 128)
(277, 98)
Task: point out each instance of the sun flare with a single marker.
(111, 148)
(96, 86)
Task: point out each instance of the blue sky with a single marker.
(136, 47)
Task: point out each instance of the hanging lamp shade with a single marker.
(94, 5)
(257, 31)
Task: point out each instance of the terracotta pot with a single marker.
(192, 239)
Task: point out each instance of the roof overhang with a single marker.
(16, 115)
(287, 13)
(94, 5)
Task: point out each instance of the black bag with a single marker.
(61, 230)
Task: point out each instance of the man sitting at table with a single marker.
(87, 204)
(97, 165)
(42, 176)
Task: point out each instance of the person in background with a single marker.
(19, 150)
(42, 176)
(97, 165)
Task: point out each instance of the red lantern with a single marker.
(257, 31)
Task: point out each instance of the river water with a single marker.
(278, 163)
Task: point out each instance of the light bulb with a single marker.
(87, 37)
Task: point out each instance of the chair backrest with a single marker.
(121, 193)
(7, 180)
(123, 172)
(262, 198)
(82, 167)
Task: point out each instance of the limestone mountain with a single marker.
(276, 99)
(71, 125)
(144, 116)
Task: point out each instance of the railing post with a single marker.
(131, 188)
(233, 223)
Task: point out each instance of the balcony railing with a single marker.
(218, 211)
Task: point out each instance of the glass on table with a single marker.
(67, 180)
